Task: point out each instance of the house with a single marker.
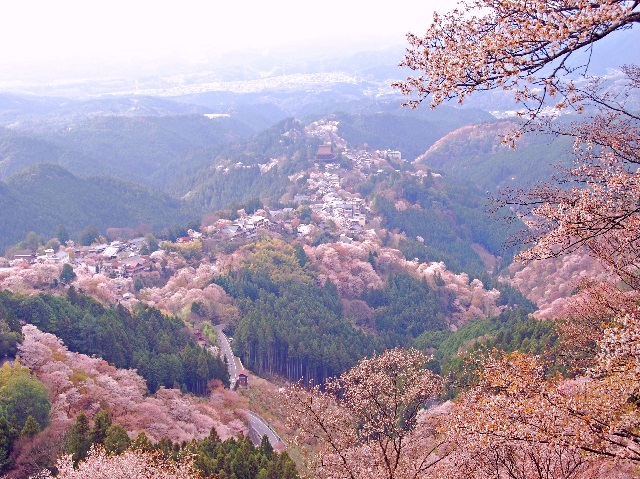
(394, 155)
(231, 230)
(61, 257)
(258, 221)
(111, 251)
(243, 378)
(304, 230)
(325, 153)
(136, 243)
(301, 198)
(133, 265)
(345, 239)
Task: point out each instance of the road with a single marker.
(225, 348)
(258, 427)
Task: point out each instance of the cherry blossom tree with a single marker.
(367, 422)
(517, 421)
(516, 417)
(131, 464)
(527, 47)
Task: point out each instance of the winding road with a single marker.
(225, 348)
(258, 427)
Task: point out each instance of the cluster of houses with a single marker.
(332, 207)
(246, 226)
(367, 160)
(118, 258)
(324, 195)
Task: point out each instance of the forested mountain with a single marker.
(290, 325)
(386, 125)
(44, 196)
(310, 258)
(148, 150)
(476, 153)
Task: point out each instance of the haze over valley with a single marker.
(224, 233)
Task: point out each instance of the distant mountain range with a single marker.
(124, 157)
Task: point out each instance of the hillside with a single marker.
(44, 196)
(475, 153)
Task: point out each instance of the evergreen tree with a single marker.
(7, 437)
(67, 274)
(266, 447)
(31, 427)
(78, 439)
(116, 439)
(101, 423)
(62, 234)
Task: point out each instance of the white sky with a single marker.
(39, 34)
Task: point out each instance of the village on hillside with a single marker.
(326, 204)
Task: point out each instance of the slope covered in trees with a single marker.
(149, 150)
(45, 196)
(475, 153)
(383, 125)
(156, 345)
(442, 219)
(289, 325)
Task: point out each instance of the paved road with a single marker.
(258, 427)
(225, 348)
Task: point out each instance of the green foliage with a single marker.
(152, 243)
(31, 427)
(101, 423)
(158, 346)
(9, 339)
(407, 307)
(53, 244)
(22, 395)
(241, 459)
(8, 435)
(138, 285)
(78, 440)
(253, 205)
(31, 241)
(116, 440)
(89, 235)
(289, 324)
(303, 212)
(24, 407)
(62, 234)
(67, 274)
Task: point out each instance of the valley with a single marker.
(210, 273)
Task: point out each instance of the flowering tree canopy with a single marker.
(366, 421)
(524, 46)
(518, 420)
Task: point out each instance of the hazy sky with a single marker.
(46, 34)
